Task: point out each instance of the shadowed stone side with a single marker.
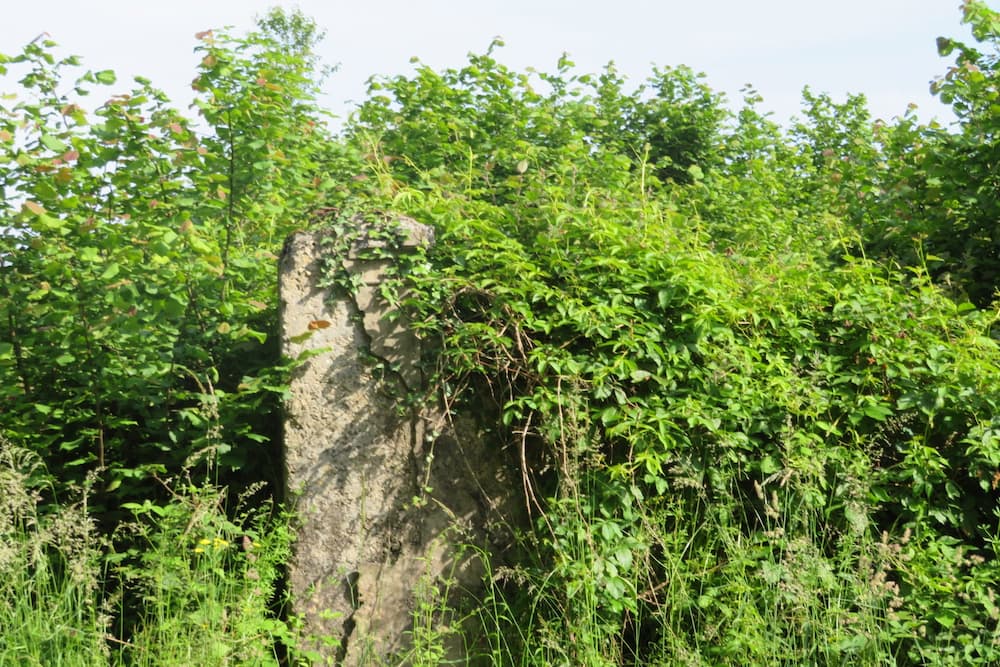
(355, 466)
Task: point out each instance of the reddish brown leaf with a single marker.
(318, 324)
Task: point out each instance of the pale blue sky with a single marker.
(883, 48)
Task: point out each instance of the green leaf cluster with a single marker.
(925, 195)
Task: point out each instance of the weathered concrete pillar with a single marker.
(385, 498)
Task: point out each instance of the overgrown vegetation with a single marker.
(751, 371)
(137, 358)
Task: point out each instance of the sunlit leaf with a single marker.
(34, 207)
(107, 77)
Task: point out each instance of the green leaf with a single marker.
(609, 415)
(945, 46)
(301, 338)
(110, 271)
(623, 557)
(65, 359)
(640, 375)
(53, 144)
(769, 466)
(852, 644)
(877, 411)
(945, 618)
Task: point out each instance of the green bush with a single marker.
(138, 301)
(137, 289)
(743, 441)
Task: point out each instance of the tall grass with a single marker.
(758, 577)
(50, 603)
(770, 585)
(191, 586)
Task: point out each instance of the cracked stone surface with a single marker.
(354, 465)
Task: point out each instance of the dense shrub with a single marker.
(138, 363)
(137, 278)
(759, 446)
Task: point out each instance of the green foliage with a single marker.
(744, 443)
(49, 565)
(935, 194)
(487, 131)
(139, 306)
(138, 293)
(197, 586)
(203, 583)
(748, 373)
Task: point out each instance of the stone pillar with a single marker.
(384, 500)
